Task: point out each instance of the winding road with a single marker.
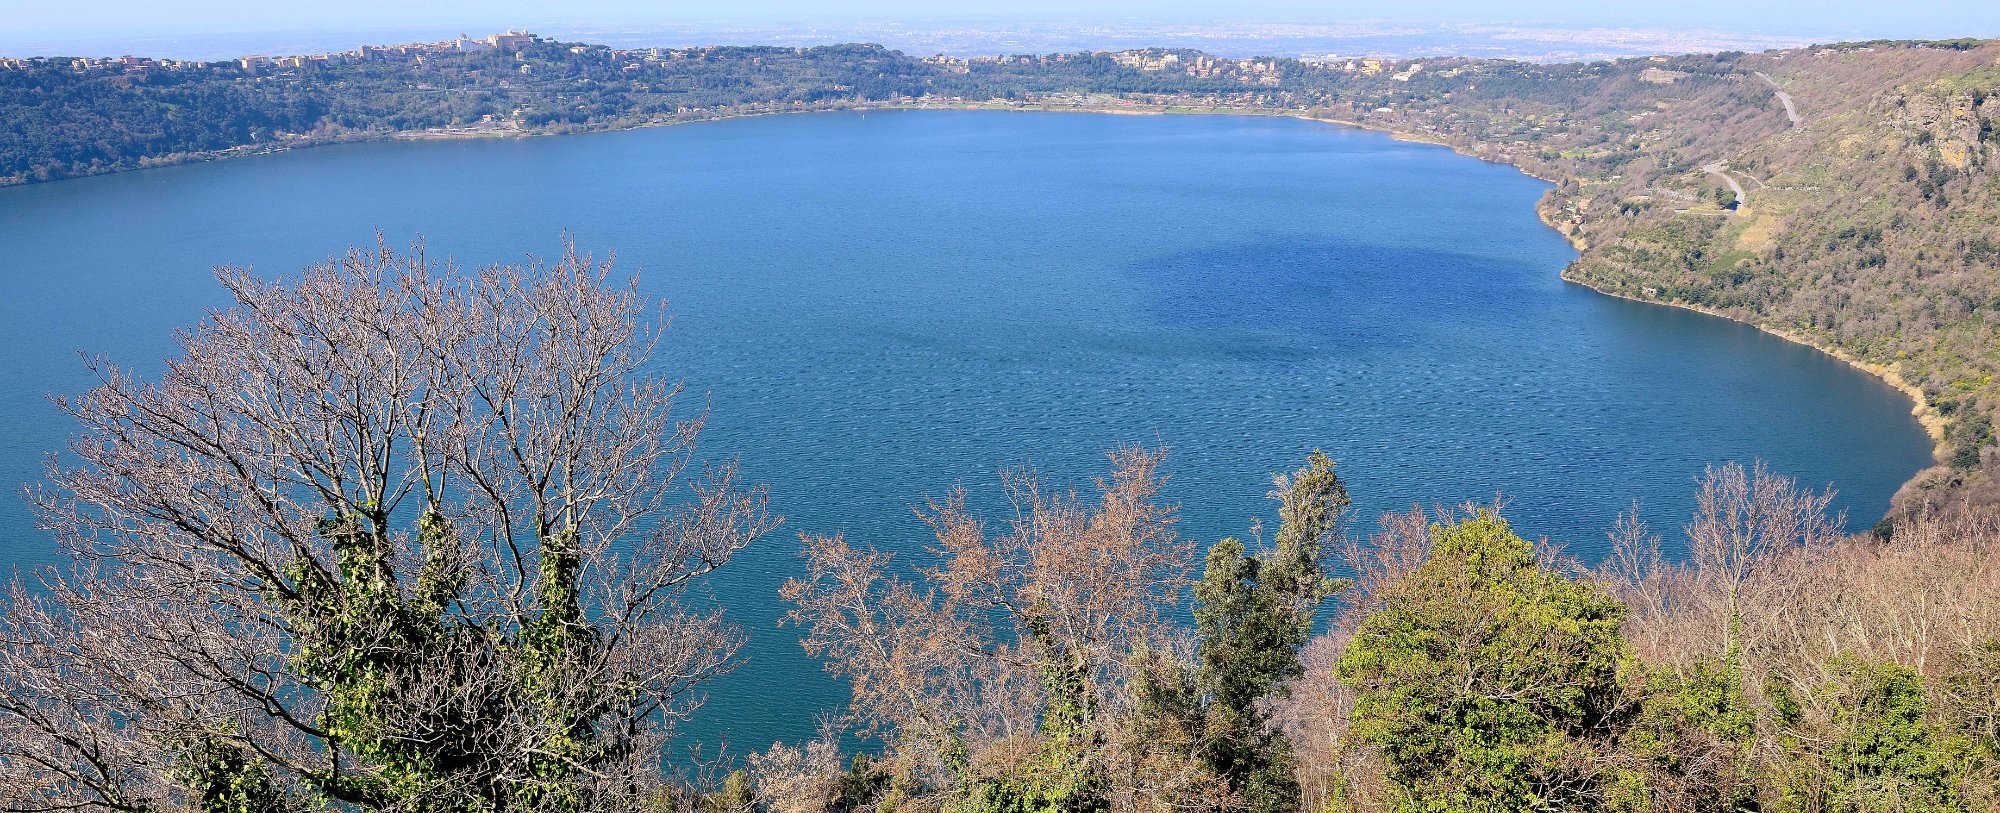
(1721, 170)
(1791, 112)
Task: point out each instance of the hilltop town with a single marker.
(139, 66)
(1260, 71)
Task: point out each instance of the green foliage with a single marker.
(1966, 437)
(737, 795)
(1873, 749)
(1971, 691)
(222, 777)
(1711, 696)
(367, 645)
(1253, 613)
(860, 785)
(1055, 780)
(1167, 697)
(553, 641)
(1060, 776)
(1486, 679)
(1694, 738)
(1034, 789)
(356, 638)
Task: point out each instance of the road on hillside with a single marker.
(1721, 170)
(1790, 111)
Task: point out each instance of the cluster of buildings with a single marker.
(135, 65)
(958, 64)
(258, 63)
(1147, 60)
(1661, 76)
(1263, 72)
(1253, 71)
(1363, 67)
(1377, 67)
(511, 40)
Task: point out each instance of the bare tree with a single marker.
(387, 535)
(955, 666)
(792, 779)
(1742, 520)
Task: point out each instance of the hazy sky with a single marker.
(1932, 18)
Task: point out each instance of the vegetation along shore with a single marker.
(1871, 228)
(482, 590)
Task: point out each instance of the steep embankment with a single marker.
(1873, 231)
(1869, 217)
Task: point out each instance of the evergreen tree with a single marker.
(1253, 613)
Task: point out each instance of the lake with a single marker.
(882, 305)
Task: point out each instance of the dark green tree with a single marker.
(1253, 612)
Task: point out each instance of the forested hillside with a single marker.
(62, 118)
(1861, 217)
(1868, 225)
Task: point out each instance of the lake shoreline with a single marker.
(1925, 414)
(1922, 410)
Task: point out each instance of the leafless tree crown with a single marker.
(385, 533)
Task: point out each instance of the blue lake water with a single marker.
(882, 305)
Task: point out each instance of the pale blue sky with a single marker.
(1933, 18)
(224, 29)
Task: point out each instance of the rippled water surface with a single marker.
(881, 305)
